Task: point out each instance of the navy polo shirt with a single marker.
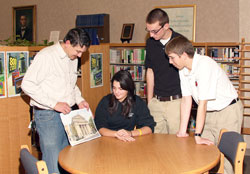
(166, 76)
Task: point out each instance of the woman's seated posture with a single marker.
(119, 113)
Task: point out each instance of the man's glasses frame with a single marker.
(154, 31)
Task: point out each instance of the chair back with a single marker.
(30, 163)
(233, 147)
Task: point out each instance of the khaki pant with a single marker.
(166, 115)
(229, 118)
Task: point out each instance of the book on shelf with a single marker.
(128, 56)
(140, 89)
(79, 126)
(224, 54)
(230, 70)
(200, 50)
(137, 72)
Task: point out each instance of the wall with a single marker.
(217, 21)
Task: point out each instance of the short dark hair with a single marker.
(157, 14)
(179, 45)
(77, 36)
(126, 83)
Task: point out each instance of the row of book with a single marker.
(140, 89)
(134, 56)
(200, 50)
(231, 71)
(137, 72)
(226, 59)
(229, 52)
(224, 52)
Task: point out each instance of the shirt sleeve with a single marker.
(185, 88)
(34, 76)
(148, 63)
(143, 117)
(101, 114)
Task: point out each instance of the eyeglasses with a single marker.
(154, 31)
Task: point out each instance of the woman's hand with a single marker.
(124, 135)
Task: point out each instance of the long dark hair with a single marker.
(126, 83)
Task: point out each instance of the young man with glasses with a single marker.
(163, 83)
(50, 82)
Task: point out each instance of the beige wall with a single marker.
(216, 20)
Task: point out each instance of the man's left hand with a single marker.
(83, 104)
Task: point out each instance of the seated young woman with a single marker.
(118, 114)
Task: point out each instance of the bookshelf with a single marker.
(244, 84)
(130, 57)
(226, 54)
(97, 25)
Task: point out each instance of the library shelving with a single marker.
(130, 57)
(97, 25)
(226, 54)
(244, 83)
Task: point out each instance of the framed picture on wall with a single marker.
(24, 23)
(96, 70)
(127, 32)
(182, 18)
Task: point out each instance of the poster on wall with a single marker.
(17, 64)
(2, 75)
(96, 74)
(182, 19)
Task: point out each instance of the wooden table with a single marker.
(149, 154)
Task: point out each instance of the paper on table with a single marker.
(79, 126)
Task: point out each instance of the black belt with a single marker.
(37, 108)
(74, 107)
(234, 101)
(169, 98)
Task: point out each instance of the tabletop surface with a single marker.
(154, 153)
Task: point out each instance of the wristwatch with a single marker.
(197, 134)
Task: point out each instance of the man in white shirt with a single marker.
(218, 103)
(50, 82)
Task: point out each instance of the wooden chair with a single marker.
(232, 145)
(30, 163)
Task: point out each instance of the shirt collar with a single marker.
(61, 52)
(194, 66)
